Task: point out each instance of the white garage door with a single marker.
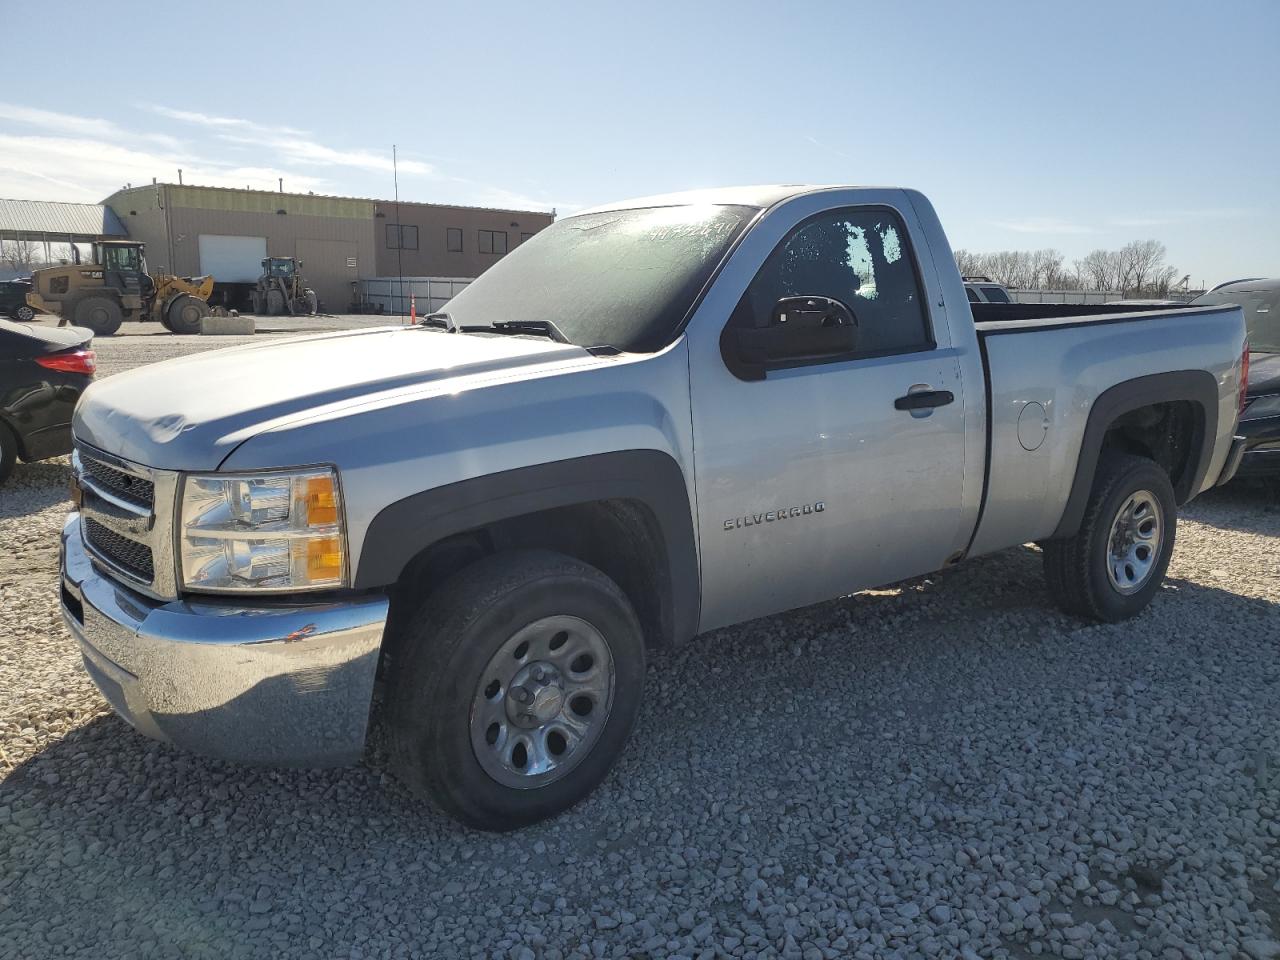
(232, 259)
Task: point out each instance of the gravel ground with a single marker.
(949, 768)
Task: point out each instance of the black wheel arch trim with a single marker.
(402, 530)
(1199, 387)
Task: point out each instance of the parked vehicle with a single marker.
(985, 290)
(281, 289)
(13, 300)
(43, 371)
(1260, 419)
(116, 287)
(500, 511)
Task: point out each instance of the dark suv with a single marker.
(13, 300)
(1260, 420)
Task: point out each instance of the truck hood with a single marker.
(190, 413)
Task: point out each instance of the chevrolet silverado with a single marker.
(654, 419)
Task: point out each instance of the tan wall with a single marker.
(288, 235)
(142, 215)
(432, 258)
(325, 232)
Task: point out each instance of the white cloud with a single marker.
(66, 124)
(76, 169)
(81, 158)
(1042, 225)
(1182, 216)
(294, 145)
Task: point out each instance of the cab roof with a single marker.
(752, 196)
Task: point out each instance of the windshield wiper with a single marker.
(544, 327)
(437, 319)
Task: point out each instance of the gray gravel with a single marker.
(945, 769)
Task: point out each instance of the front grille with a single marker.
(130, 556)
(126, 486)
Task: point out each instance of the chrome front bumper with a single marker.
(282, 685)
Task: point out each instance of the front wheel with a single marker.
(185, 313)
(515, 689)
(1116, 561)
(24, 314)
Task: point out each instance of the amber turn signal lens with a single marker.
(324, 559)
(322, 502)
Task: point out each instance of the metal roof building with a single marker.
(43, 220)
(36, 232)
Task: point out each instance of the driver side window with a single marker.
(858, 256)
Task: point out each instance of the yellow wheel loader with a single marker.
(281, 289)
(116, 287)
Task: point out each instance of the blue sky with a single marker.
(1030, 124)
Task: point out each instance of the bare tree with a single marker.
(61, 253)
(1136, 269)
(20, 255)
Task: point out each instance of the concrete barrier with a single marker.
(226, 326)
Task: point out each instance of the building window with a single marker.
(402, 237)
(453, 239)
(525, 236)
(493, 241)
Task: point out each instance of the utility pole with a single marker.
(395, 175)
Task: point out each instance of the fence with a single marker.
(430, 293)
(1065, 296)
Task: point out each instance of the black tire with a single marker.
(102, 315)
(449, 645)
(276, 304)
(185, 313)
(8, 452)
(255, 303)
(24, 313)
(1076, 568)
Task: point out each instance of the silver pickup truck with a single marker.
(654, 419)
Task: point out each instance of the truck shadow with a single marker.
(734, 725)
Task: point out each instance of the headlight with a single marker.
(1268, 406)
(271, 532)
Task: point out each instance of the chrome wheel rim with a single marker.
(1137, 535)
(542, 702)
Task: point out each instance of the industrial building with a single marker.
(224, 232)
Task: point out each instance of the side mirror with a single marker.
(800, 329)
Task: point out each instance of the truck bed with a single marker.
(1063, 363)
(1018, 312)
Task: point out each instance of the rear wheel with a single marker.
(255, 303)
(516, 688)
(185, 313)
(1114, 565)
(102, 315)
(24, 314)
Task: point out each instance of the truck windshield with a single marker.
(624, 278)
(1261, 314)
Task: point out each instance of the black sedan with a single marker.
(13, 300)
(43, 371)
(1260, 419)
